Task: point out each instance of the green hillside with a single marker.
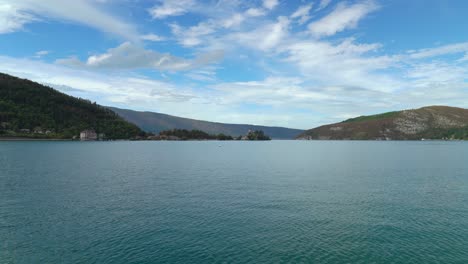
(433, 122)
(29, 109)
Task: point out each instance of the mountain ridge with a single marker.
(156, 122)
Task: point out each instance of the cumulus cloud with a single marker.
(130, 56)
(343, 17)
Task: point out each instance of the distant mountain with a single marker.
(156, 122)
(29, 109)
(433, 122)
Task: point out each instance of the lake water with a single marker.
(234, 202)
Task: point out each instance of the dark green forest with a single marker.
(29, 109)
(184, 134)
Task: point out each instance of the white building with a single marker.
(88, 134)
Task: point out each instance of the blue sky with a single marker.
(270, 62)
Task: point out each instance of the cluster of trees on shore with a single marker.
(460, 133)
(184, 134)
(257, 135)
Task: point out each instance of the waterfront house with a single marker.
(88, 134)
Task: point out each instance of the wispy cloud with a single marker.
(41, 54)
(13, 18)
(323, 4)
(167, 8)
(347, 63)
(343, 17)
(14, 15)
(440, 51)
(302, 13)
(263, 38)
(152, 37)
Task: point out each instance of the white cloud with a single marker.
(41, 54)
(234, 21)
(323, 4)
(270, 4)
(130, 56)
(167, 8)
(152, 37)
(220, 22)
(217, 26)
(12, 18)
(192, 36)
(273, 91)
(265, 37)
(440, 51)
(255, 12)
(344, 64)
(343, 17)
(431, 73)
(15, 14)
(465, 58)
(302, 13)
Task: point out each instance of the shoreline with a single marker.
(32, 139)
(201, 140)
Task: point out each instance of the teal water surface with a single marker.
(234, 202)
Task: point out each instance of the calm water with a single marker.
(234, 202)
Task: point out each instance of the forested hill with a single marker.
(29, 109)
(157, 122)
(432, 122)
